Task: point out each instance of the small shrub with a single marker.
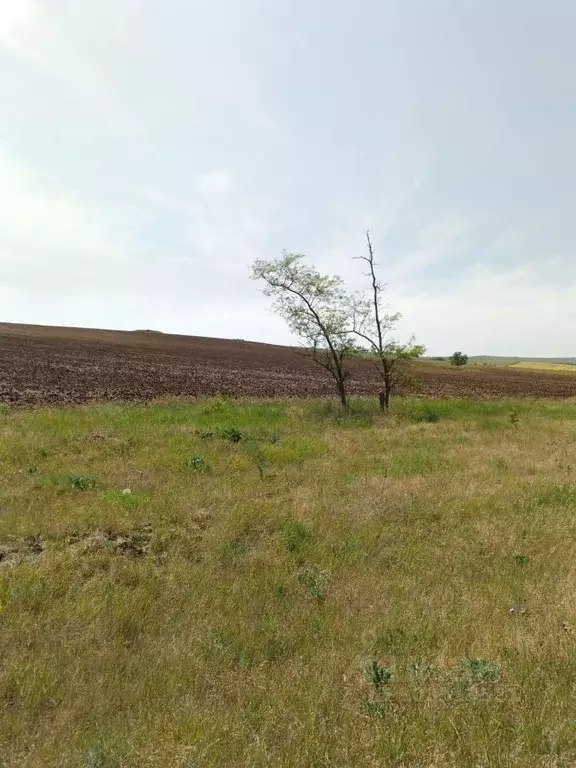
(481, 671)
(231, 434)
(378, 676)
(197, 463)
(459, 358)
(514, 418)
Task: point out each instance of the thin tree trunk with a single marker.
(342, 393)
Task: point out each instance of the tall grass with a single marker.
(325, 590)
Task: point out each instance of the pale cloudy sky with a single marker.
(151, 149)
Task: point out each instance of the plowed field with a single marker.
(42, 365)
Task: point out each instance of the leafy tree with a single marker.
(316, 308)
(373, 324)
(459, 358)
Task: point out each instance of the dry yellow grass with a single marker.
(535, 366)
(229, 610)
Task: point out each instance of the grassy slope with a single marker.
(227, 617)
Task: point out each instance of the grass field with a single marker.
(534, 366)
(285, 587)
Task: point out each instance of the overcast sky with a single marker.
(150, 150)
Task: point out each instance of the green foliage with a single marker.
(372, 325)
(316, 307)
(215, 405)
(378, 676)
(153, 646)
(428, 416)
(297, 535)
(198, 464)
(480, 671)
(458, 359)
(317, 310)
(376, 709)
(78, 482)
(123, 499)
(231, 434)
(514, 418)
(562, 495)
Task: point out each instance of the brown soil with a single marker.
(43, 365)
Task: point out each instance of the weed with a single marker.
(378, 676)
(514, 418)
(520, 558)
(481, 671)
(78, 482)
(198, 464)
(232, 434)
(297, 535)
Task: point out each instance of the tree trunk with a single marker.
(342, 393)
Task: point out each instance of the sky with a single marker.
(150, 150)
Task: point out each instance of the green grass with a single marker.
(321, 590)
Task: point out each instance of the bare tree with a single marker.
(317, 309)
(373, 324)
